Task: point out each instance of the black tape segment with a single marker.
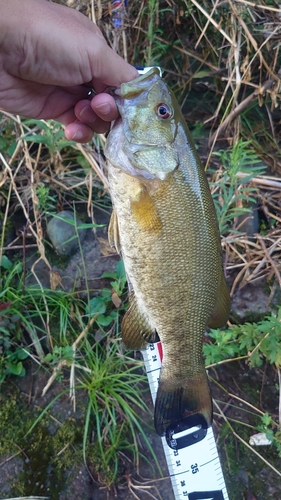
(206, 495)
(177, 443)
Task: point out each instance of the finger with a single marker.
(78, 132)
(105, 107)
(85, 114)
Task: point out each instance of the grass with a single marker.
(229, 51)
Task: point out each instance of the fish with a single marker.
(164, 226)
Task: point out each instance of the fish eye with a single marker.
(163, 111)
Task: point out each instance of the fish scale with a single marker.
(165, 225)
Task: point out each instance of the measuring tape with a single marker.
(192, 455)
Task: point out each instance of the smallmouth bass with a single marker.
(164, 226)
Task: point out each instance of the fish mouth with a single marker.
(138, 85)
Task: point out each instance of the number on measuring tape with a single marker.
(190, 449)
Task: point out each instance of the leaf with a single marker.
(106, 294)
(22, 354)
(40, 124)
(104, 320)
(266, 419)
(201, 74)
(39, 139)
(96, 306)
(15, 369)
(89, 225)
(81, 160)
(64, 143)
(120, 270)
(3, 143)
(6, 263)
(109, 275)
(11, 149)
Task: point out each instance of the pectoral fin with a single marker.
(113, 232)
(145, 212)
(221, 310)
(136, 332)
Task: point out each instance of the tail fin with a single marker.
(180, 400)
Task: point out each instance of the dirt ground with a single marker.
(30, 471)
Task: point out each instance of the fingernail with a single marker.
(104, 108)
(77, 136)
(87, 114)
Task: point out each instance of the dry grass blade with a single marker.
(27, 498)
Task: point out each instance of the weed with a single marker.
(231, 190)
(46, 201)
(257, 341)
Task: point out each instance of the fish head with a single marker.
(142, 141)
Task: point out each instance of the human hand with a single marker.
(50, 57)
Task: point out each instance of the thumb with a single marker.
(108, 68)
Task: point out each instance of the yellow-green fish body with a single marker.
(165, 227)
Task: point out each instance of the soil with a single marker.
(32, 471)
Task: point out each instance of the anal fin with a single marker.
(136, 332)
(220, 313)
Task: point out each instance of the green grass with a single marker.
(113, 382)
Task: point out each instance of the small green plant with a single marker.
(102, 304)
(271, 430)
(60, 353)
(231, 191)
(12, 353)
(257, 341)
(47, 202)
